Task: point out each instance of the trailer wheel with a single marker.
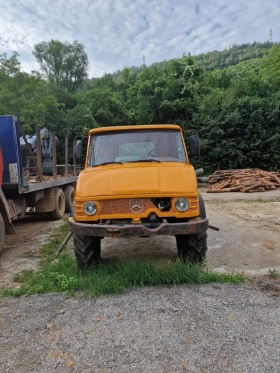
(87, 250)
(59, 202)
(69, 193)
(192, 247)
(2, 232)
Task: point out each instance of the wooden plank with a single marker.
(54, 155)
(39, 150)
(66, 157)
(30, 152)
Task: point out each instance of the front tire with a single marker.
(192, 247)
(87, 250)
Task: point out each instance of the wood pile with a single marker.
(243, 180)
(35, 179)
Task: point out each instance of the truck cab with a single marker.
(137, 181)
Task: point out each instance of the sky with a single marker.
(117, 33)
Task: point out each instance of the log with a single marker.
(199, 172)
(236, 189)
(217, 190)
(203, 179)
(257, 190)
(243, 180)
(252, 187)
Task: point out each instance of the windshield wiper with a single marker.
(146, 160)
(104, 164)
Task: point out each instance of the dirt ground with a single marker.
(22, 252)
(248, 240)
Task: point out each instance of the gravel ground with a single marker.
(209, 328)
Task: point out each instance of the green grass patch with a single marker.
(273, 273)
(111, 278)
(60, 274)
(49, 248)
(262, 200)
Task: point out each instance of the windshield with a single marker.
(136, 146)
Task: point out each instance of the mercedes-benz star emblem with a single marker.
(136, 206)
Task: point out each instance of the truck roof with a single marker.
(136, 127)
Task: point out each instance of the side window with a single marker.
(91, 158)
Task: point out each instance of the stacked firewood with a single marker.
(244, 180)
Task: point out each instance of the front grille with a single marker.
(121, 206)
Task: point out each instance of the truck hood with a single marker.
(168, 179)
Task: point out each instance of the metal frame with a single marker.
(43, 184)
(47, 184)
(132, 230)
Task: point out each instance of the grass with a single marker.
(61, 274)
(273, 273)
(262, 200)
(49, 248)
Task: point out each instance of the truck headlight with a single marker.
(90, 208)
(182, 204)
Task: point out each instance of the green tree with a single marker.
(27, 96)
(64, 64)
(271, 65)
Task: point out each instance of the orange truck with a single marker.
(138, 181)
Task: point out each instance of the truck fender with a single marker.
(202, 207)
(4, 211)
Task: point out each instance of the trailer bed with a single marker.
(47, 184)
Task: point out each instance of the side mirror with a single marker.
(78, 149)
(194, 145)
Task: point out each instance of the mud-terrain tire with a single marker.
(2, 233)
(59, 203)
(87, 250)
(69, 193)
(192, 247)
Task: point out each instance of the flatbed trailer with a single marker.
(49, 194)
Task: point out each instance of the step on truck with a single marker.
(31, 181)
(138, 181)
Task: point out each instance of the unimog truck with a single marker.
(138, 181)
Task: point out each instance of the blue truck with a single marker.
(31, 181)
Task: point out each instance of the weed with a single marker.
(31, 254)
(273, 273)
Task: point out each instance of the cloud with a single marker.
(117, 33)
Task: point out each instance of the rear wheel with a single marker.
(2, 232)
(59, 203)
(69, 193)
(87, 250)
(192, 247)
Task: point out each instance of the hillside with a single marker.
(212, 60)
(233, 56)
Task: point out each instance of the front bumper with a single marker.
(129, 230)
